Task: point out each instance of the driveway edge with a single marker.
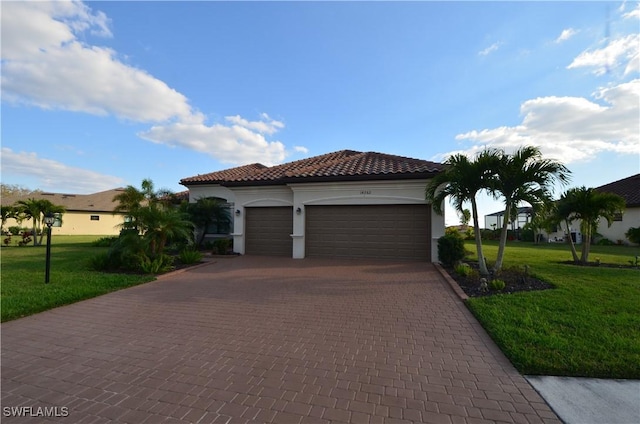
(456, 288)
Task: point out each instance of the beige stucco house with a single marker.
(344, 204)
(86, 214)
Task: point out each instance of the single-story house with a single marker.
(629, 189)
(345, 204)
(86, 214)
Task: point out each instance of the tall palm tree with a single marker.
(524, 176)
(588, 205)
(461, 181)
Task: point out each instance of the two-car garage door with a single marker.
(345, 231)
(369, 231)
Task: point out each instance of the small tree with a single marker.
(206, 211)
(461, 181)
(36, 209)
(587, 205)
(524, 177)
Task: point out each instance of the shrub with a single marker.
(105, 241)
(497, 285)
(605, 242)
(463, 269)
(15, 230)
(221, 246)
(100, 262)
(162, 263)
(633, 234)
(450, 250)
(190, 256)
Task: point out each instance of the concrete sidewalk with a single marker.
(590, 400)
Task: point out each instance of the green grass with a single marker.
(23, 291)
(589, 325)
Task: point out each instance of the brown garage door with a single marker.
(268, 231)
(369, 231)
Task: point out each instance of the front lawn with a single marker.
(588, 326)
(23, 291)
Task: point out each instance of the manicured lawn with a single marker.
(589, 325)
(23, 291)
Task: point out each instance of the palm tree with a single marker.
(587, 205)
(160, 223)
(131, 199)
(36, 209)
(524, 177)
(461, 181)
(206, 211)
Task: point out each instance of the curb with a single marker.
(180, 271)
(456, 288)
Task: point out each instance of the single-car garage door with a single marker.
(369, 231)
(268, 231)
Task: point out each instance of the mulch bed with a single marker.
(516, 280)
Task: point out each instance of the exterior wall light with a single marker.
(298, 211)
(237, 212)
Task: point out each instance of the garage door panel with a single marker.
(369, 231)
(268, 231)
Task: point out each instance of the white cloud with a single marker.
(492, 48)
(566, 34)
(268, 126)
(616, 53)
(301, 149)
(45, 64)
(634, 14)
(56, 176)
(236, 144)
(571, 129)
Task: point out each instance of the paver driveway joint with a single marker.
(264, 340)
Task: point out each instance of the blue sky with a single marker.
(97, 95)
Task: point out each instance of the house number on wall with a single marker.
(365, 191)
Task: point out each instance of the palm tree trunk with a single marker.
(586, 243)
(503, 238)
(476, 226)
(571, 245)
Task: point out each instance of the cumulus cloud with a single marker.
(55, 176)
(492, 48)
(570, 129)
(625, 50)
(300, 149)
(46, 64)
(566, 34)
(237, 144)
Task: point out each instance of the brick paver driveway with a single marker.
(255, 339)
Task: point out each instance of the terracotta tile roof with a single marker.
(629, 188)
(96, 202)
(225, 174)
(343, 165)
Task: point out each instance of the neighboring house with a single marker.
(86, 214)
(629, 189)
(495, 220)
(344, 204)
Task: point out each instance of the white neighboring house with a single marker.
(344, 204)
(629, 189)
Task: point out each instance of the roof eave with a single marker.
(334, 178)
